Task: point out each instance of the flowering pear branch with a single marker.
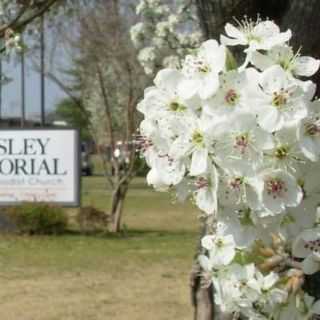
(241, 139)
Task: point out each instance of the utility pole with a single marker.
(23, 90)
(42, 73)
(1, 77)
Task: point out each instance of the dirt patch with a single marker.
(159, 293)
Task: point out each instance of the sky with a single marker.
(11, 92)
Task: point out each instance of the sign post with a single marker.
(40, 165)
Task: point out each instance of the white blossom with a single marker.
(244, 145)
(284, 56)
(202, 71)
(221, 250)
(260, 35)
(280, 101)
(280, 190)
(309, 132)
(168, 27)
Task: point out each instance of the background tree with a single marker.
(15, 17)
(165, 32)
(17, 14)
(69, 111)
(103, 81)
(107, 80)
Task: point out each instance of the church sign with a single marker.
(41, 165)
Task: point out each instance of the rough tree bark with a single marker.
(118, 198)
(213, 14)
(201, 288)
(302, 17)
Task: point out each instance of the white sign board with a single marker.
(39, 165)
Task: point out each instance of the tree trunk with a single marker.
(302, 17)
(202, 294)
(202, 291)
(118, 198)
(214, 14)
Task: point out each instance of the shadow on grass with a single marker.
(132, 233)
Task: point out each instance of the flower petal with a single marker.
(306, 66)
(261, 61)
(209, 86)
(269, 118)
(310, 266)
(188, 88)
(274, 79)
(207, 242)
(230, 42)
(199, 162)
(206, 200)
(310, 148)
(168, 80)
(233, 32)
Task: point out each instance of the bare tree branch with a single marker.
(18, 23)
(106, 105)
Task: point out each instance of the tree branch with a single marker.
(16, 24)
(106, 105)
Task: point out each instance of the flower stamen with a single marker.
(276, 187)
(242, 142)
(231, 97)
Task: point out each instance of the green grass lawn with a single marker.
(142, 274)
(145, 209)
